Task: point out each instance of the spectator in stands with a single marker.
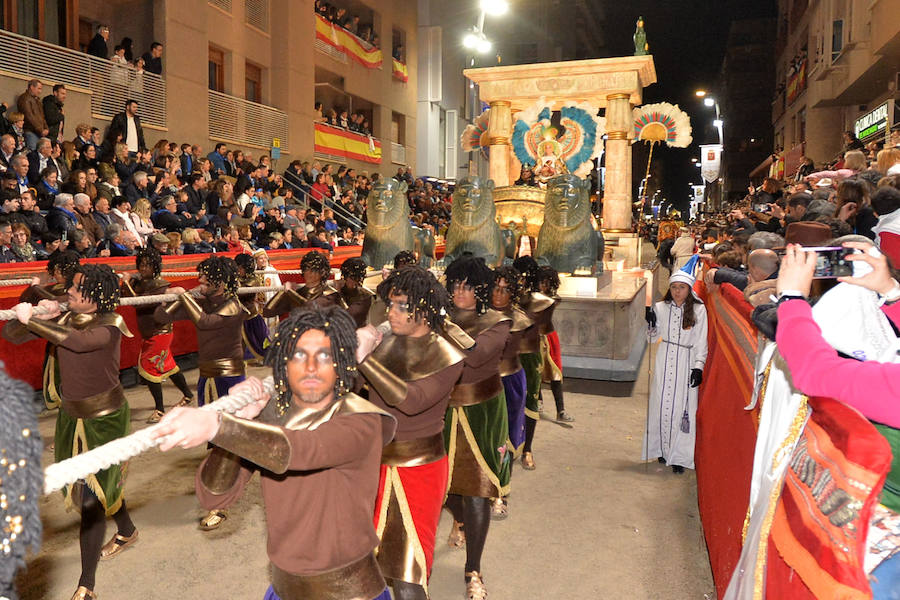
(6, 253)
(83, 210)
(7, 151)
(102, 214)
(120, 214)
(346, 237)
(128, 45)
(139, 188)
(320, 190)
(153, 58)
(854, 162)
(20, 170)
(128, 125)
(38, 160)
(77, 183)
(17, 129)
(318, 117)
(88, 158)
(61, 218)
(855, 206)
(21, 244)
(53, 112)
(141, 216)
(82, 136)
(57, 161)
(166, 218)
(398, 53)
(343, 120)
(29, 104)
(31, 215)
(190, 160)
(48, 186)
(97, 46)
(217, 158)
(116, 242)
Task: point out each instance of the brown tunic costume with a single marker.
(285, 301)
(148, 326)
(509, 360)
(319, 479)
(359, 302)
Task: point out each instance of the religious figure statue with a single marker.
(567, 241)
(388, 230)
(473, 223)
(641, 47)
(549, 163)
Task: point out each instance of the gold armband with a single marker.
(190, 305)
(51, 331)
(391, 388)
(220, 471)
(261, 444)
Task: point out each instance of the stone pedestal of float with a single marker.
(602, 334)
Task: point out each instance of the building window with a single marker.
(224, 5)
(257, 14)
(837, 38)
(253, 83)
(216, 70)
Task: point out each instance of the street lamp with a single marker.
(700, 93)
(494, 7)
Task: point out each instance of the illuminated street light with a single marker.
(693, 160)
(470, 41)
(494, 7)
(717, 123)
(484, 46)
(700, 93)
(709, 102)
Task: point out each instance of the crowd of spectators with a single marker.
(123, 54)
(105, 193)
(365, 32)
(340, 117)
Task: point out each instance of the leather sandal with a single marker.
(212, 520)
(457, 537)
(155, 417)
(185, 401)
(117, 545)
(528, 461)
(499, 509)
(82, 593)
(475, 589)
(564, 417)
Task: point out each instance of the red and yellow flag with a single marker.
(344, 41)
(347, 144)
(400, 71)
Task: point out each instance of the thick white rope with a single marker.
(12, 282)
(61, 474)
(194, 273)
(10, 314)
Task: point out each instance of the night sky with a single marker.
(687, 40)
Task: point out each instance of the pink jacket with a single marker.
(838, 175)
(871, 387)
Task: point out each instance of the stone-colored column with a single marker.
(499, 136)
(617, 194)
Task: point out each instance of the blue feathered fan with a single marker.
(474, 137)
(536, 139)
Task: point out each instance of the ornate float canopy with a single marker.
(662, 123)
(537, 141)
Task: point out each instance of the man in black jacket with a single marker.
(53, 112)
(167, 218)
(97, 47)
(196, 191)
(153, 59)
(128, 124)
(31, 216)
(61, 217)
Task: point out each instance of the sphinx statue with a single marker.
(567, 241)
(473, 223)
(388, 230)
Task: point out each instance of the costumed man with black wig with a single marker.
(61, 266)
(256, 331)
(317, 446)
(315, 289)
(411, 374)
(219, 318)
(156, 363)
(504, 299)
(93, 410)
(356, 297)
(551, 351)
(538, 308)
(476, 425)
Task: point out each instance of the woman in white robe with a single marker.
(677, 374)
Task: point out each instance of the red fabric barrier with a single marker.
(726, 437)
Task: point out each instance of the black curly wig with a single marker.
(426, 297)
(100, 285)
(316, 261)
(513, 281)
(354, 268)
(528, 267)
(404, 257)
(549, 276)
(473, 271)
(67, 261)
(150, 256)
(220, 270)
(340, 328)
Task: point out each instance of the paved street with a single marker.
(591, 522)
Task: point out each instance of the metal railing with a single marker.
(109, 84)
(339, 210)
(239, 121)
(330, 51)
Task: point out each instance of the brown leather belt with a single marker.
(509, 365)
(412, 453)
(95, 406)
(470, 394)
(221, 367)
(360, 580)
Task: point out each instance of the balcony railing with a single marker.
(398, 153)
(239, 121)
(108, 84)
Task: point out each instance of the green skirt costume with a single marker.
(890, 495)
(77, 436)
(532, 362)
(475, 437)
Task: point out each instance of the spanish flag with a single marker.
(344, 41)
(347, 144)
(400, 71)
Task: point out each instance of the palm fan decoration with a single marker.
(535, 136)
(474, 136)
(661, 123)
